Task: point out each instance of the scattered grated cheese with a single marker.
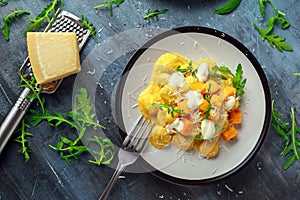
(135, 105)
(91, 72)
(98, 83)
(228, 188)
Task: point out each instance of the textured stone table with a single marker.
(47, 176)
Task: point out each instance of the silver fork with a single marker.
(131, 148)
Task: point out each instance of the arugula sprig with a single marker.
(170, 108)
(85, 22)
(154, 14)
(189, 69)
(109, 4)
(278, 19)
(219, 72)
(48, 12)
(9, 18)
(81, 113)
(207, 111)
(289, 133)
(238, 81)
(296, 73)
(3, 3)
(105, 153)
(227, 7)
(79, 118)
(22, 139)
(28, 81)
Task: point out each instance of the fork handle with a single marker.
(119, 169)
(14, 117)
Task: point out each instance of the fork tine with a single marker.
(133, 130)
(136, 138)
(144, 136)
(139, 133)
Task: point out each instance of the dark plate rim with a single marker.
(242, 49)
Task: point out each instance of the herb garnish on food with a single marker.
(9, 18)
(189, 69)
(46, 14)
(228, 7)
(238, 81)
(110, 5)
(289, 133)
(154, 14)
(279, 19)
(171, 109)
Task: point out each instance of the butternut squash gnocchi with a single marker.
(194, 103)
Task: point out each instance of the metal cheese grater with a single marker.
(63, 21)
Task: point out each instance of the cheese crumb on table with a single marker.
(53, 55)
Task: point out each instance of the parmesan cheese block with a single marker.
(53, 55)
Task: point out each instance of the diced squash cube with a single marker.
(235, 116)
(230, 133)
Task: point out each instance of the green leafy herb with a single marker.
(289, 133)
(171, 109)
(85, 22)
(189, 69)
(79, 118)
(3, 3)
(58, 118)
(219, 72)
(198, 137)
(279, 18)
(207, 111)
(238, 82)
(9, 18)
(228, 7)
(154, 14)
(105, 153)
(70, 149)
(22, 139)
(110, 5)
(274, 39)
(48, 12)
(81, 112)
(28, 81)
(296, 73)
(82, 117)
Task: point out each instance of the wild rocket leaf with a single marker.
(278, 19)
(227, 7)
(9, 18)
(3, 3)
(46, 15)
(288, 131)
(238, 81)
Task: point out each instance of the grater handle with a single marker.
(13, 118)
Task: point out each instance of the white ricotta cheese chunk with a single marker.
(207, 129)
(194, 99)
(202, 72)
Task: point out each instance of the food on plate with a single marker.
(53, 55)
(194, 103)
